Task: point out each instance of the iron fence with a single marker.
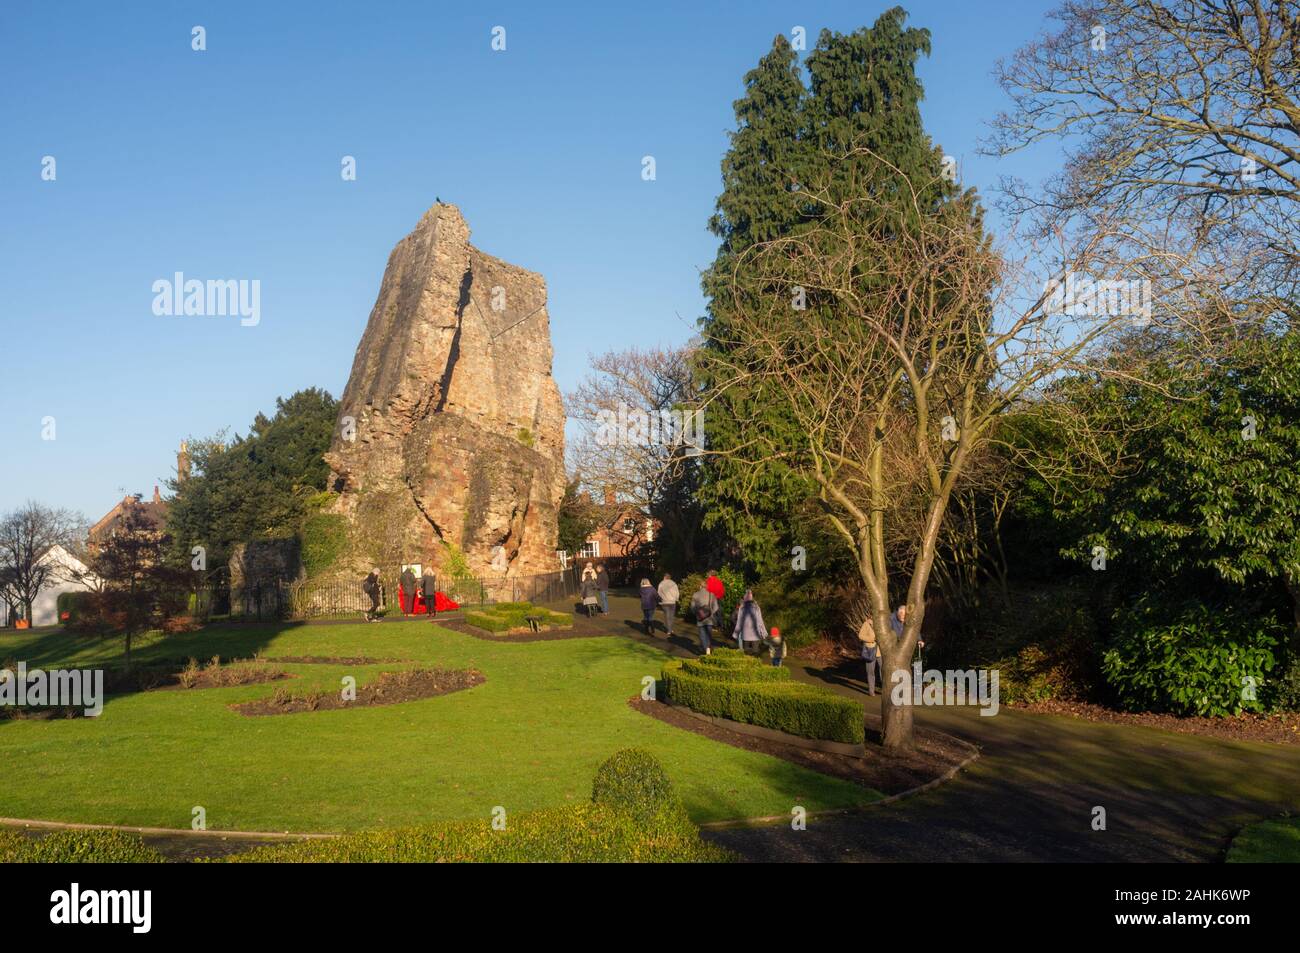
(273, 600)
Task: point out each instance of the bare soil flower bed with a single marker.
(390, 688)
(1274, 729)
(882, 771)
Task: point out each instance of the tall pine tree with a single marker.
(797, 147)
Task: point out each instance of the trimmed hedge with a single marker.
(633, 781)
(581, 833)
(77, 847)
(793, 707)
(634, 815)
(503, 616)
(731, 672)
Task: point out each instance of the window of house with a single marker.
(590, 549)
(629, 525)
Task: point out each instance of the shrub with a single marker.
(77, 847)
(634, 815)
(582, 833)
(729, 671)
(69, 606)
(633, 780)
(793, 707)
(324, 539)
(504, 616)
(801, 616)
(1059, 669)
(1189, 660)
(1284, 689)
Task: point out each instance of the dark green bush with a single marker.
(1284, 688)
(71, 603)
(728, 671)
(633, 780)
(77, 847)
(1191, 659)
(793, 707)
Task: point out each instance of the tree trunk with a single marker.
(896, 720)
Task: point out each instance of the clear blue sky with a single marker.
(225, 164)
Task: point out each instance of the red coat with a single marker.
(715, 586)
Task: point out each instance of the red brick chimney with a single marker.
(157, 497)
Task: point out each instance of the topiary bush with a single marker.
(1191, 659)
(633, 780)
(770, 702)
(77, 847)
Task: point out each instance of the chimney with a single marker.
(157, 497)
(183, 462)
(609, 496)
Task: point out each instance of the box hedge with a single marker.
(504, 616)
(634, 815)
(76, 847)
(770, 702)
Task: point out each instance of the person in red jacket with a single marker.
(715, 586)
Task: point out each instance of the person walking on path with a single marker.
(370, 586)
(704, 607)
(749, 627)
(669, 595)
(775, 647)
(429, 589)
(715, 586)
(870, 653)
(649, 603)
(602, 586)
(406, 591)
(896, 623)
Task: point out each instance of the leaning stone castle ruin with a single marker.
(451, 436)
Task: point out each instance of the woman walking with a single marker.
(750, 629)
(649, 603)
(704, 606)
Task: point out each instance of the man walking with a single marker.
(704, 606)
(602, 586)
(669, 594)
(370, 586)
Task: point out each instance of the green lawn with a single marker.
(1275, 842)
(530, 737)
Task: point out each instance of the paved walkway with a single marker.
(1030, 797)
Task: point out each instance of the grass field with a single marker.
(530, 737)
(1268, 842)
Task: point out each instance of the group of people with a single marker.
(594, 588)
(705, 608)
(871, 651)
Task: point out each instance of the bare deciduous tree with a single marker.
(26, 536)
(1183, 114)
(634, 412)
(924, 336)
